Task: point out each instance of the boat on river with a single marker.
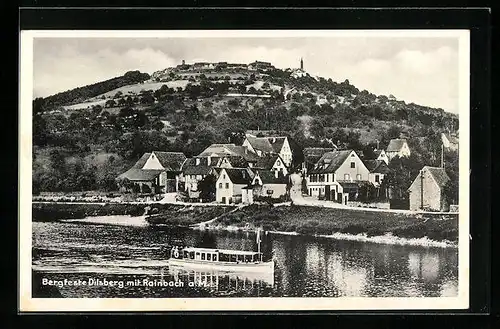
(221, 259)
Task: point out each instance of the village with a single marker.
(269, 166)
(264, 169)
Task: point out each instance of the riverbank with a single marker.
(331, 222)
(161, 214)
(291, 219)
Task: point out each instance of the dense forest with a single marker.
(86, 149)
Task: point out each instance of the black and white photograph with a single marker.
(244, 170)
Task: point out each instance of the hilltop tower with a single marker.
(301, 64)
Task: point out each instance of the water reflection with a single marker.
(305, 266)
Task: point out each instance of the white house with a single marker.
(230, 183)
(333, 168)
(159, 171)
(398, 147)
(426, 191)
(269, 184)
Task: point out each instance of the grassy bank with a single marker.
(163, 213)
(326, 221)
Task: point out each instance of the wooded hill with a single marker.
(187, 111)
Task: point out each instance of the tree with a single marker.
(451, 189)
(207, 188)
(110, 103)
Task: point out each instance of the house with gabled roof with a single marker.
(215, 156)
(378, 169)
(381, 155)
(230, 183)
(270, 145)
(333, 168)
(267, 184)
(397, 147)
(450, 141)
(272, 163)
(312, 156)
(427, 190)
(157, 172)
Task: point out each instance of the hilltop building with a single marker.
(301, 64)
(426, 191)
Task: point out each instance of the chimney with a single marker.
(276, 174)
(209, 160)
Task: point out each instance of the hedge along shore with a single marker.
(331, 221)
(293, 219)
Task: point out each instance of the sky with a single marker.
(422, 70)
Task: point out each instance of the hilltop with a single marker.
(84, 137)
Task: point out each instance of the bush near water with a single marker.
(325, 221)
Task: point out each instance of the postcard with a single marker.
(249, 170)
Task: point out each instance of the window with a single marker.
(220, 185)
(377, 179)
(224, 176)
(353, 164)
(278, 162)
(202, 256)
(327, 177)
(227, 185)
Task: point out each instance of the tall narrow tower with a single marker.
(301, 64)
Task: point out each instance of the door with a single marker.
(327, 192)
(345, 200)
(224, 199)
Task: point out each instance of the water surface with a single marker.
(136, 256)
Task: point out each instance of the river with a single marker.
(99, 260)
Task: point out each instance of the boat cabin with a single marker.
(216, 255)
